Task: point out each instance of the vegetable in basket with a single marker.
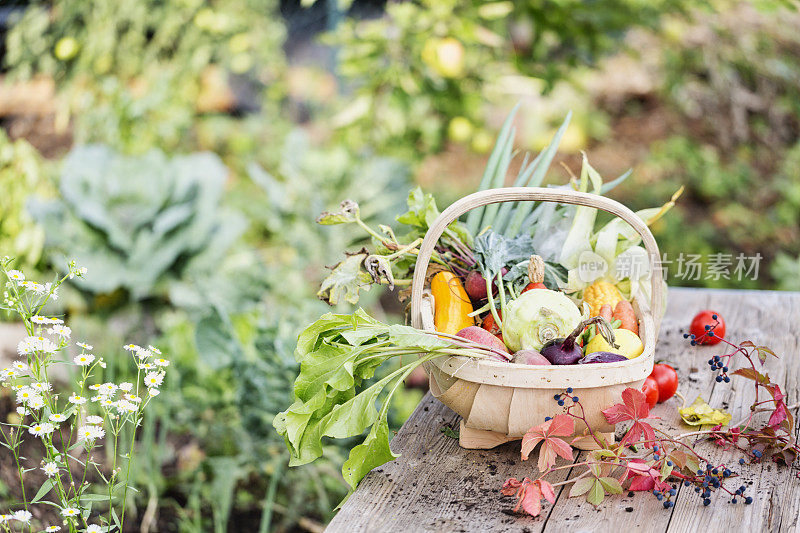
(451, 303)
(566, 351)
(537, 317)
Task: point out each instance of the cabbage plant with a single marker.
(139, 222)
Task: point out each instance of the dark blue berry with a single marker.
(726, 473)
(742, 489)
(724, 368)
(699, 472)
(757, 453)
(748, 500)
(673, 492)
(718, 379)
(733, 500)
(687, 483)
(711, 362)
(667, 505)
(693, 343)
(659, 496)
(741, 461)
(707, 327)
(705, 484)
(685, 335)
(706, 502)
(669, 463)
(569, 390)
(710, 333)
(547, 419)
(560, 402)
(556, 396)
(692, 336)
(716, 358)
(575, 399)
(697, 489)
(727, 379)
(715, 471)
(713, 317)
(655, 447)
(656, 457)
(655, 491)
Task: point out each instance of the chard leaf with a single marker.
(408, 337)
(371, 453)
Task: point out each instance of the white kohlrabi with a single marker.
(538, 316)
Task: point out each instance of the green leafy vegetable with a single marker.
(337, 354)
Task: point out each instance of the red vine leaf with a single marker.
(634, 407)
(529, 494)
(644, 477)
(560, 426)
(755, 375)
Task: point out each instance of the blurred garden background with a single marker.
(181, 150)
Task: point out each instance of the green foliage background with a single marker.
(213, 153)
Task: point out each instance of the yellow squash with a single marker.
(452, 306)
(601, 293)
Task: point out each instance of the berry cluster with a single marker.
(716, 364)
(709, 332)
(563, 397)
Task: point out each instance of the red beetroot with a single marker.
(475, 285)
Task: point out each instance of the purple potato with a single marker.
(602, 357)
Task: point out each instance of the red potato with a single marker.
(529, 357)
(481, 336)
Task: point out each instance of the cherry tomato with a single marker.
(530, 286)
(667, 380)
(702, 324)
(650, 390)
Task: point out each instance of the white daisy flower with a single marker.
(84, 359)
(144, 354)
(124, 406)
(26, 394)
(69, 511)
(20, 366)
(7, 373)
(36, 403)
(62, 331)
(94, 419)
(52, 529)
(41, 386)
(84, 345)
(133, 398)
(4, 518)
(43, 344)
(27, 346)
(154, 349)
(107, 389)
(91, 433)
(57, 417)
(125, 386)
(22, 516)
(21, 411)
(147, 366)
(36, 319)
(153, 392)
(34, 287)
(105, 402)
(161, 362)
(38, 430)
(133, 348)
(16, 275)
(154, 379)
(94, 528)
(76, 399)
(51, 469)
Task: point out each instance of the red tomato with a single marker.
(491, 326)
(530, 286)
(667, 380)
(650, 390)
(712, 319)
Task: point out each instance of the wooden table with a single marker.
(437, 486)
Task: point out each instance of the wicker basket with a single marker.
(498, 401)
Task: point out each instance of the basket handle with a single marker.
(516, 194)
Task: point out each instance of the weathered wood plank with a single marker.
(437, 486)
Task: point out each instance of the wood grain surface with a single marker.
(437, 486)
